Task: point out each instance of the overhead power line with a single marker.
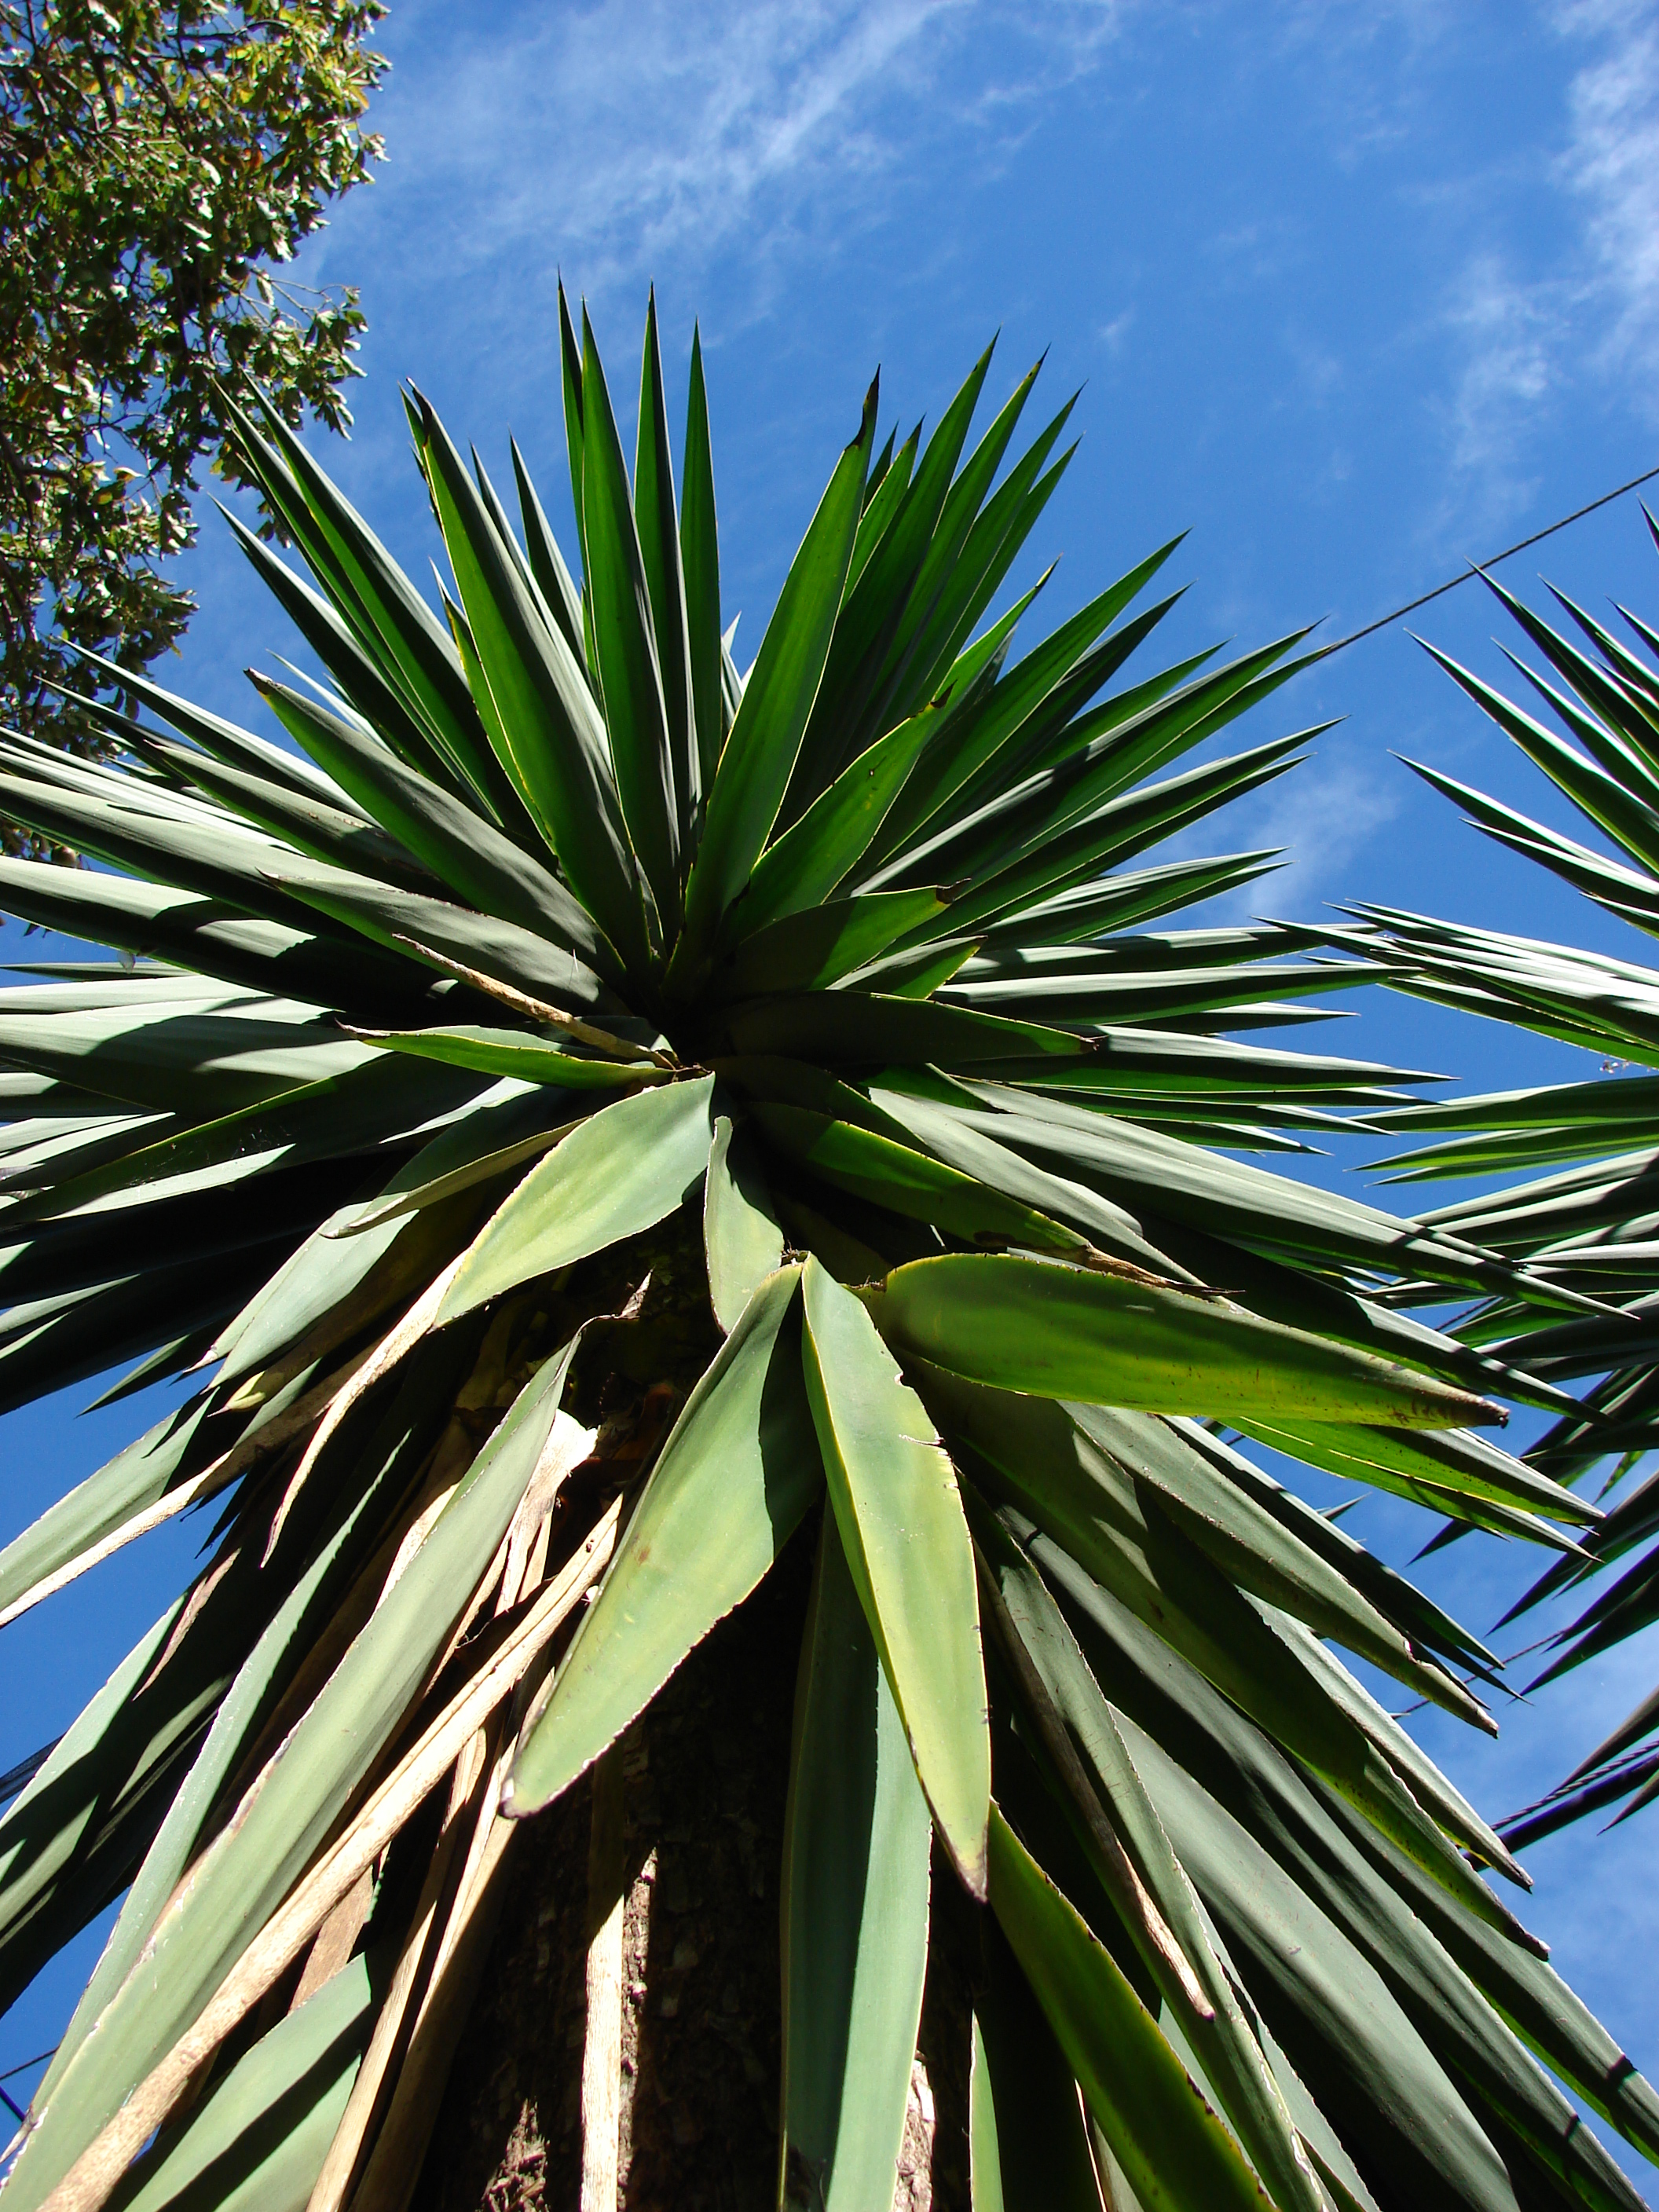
(1476, 569)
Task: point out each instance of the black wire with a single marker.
(26, 2064)
(10, 2074)
(1440, 590)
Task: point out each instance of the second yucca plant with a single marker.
(1588, 1222)
(602, 1118)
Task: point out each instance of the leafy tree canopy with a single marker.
(157, 157)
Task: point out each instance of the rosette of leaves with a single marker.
(594, 1123)
(1588, 1222)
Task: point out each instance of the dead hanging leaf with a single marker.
(229, 1468)
(366, 1373)
(91, 2180)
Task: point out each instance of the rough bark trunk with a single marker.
(691, 1842)
(704, 1775)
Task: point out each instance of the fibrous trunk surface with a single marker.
(704, 1777)
(703, 1792)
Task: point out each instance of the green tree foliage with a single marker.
(161, 160)
(1590, 1223)
(595, 1120)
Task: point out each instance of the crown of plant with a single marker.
(1588, 1226)
(595, 1116)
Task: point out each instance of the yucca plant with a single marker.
(1590, 1224)
(600, 1127)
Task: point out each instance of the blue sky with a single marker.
(1357, 291)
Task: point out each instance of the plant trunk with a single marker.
(622, 2051)
(703, 1777)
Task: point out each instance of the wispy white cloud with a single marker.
(1371, 61)
(1319, 816)
(1527, 339)
(1115, 335)
(1509, 336)
(637, 135)
(1612, 164)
